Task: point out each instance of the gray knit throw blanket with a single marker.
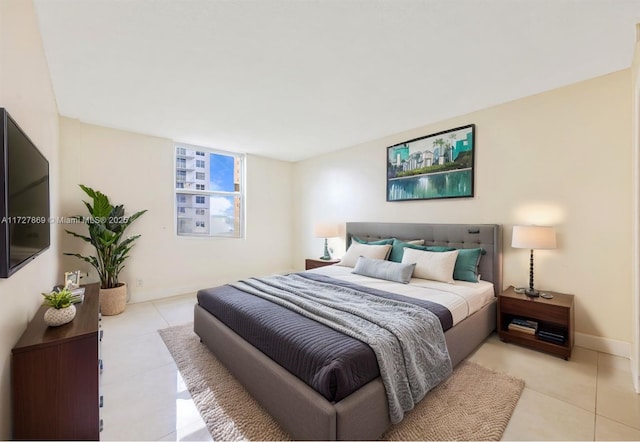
(408, 340)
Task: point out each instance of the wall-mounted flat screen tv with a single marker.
(25, 231)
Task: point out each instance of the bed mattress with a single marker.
(461, 298)
(330, 362)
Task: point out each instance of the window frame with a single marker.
(240, 194)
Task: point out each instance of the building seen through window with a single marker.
(209, 192)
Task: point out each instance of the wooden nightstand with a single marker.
(552, 315)
(315, 263)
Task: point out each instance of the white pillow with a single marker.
(437, 266)
(356, 250)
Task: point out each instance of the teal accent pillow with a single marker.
(380, 242)
(440, 249)
(382, 269)
(397, 249)
(466, 268)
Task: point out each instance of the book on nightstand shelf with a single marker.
(552, 336)
(520, 328)
(523, 325)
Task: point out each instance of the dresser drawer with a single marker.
(530, 308)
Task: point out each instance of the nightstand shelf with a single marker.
(310, 263)
(554, 315)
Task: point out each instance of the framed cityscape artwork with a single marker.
(435, 166)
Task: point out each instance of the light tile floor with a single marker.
(589, 397)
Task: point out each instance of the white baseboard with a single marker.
(142, 294)
(161, 293)
(604, 345)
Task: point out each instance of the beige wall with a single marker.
(559, 158)
(635, 202)
(137, 171)
(25, 91)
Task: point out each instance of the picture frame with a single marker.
(72, 280)
(436, 166)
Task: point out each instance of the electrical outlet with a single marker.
(139, 283)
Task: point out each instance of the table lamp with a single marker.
(533, 237)
(326, 230)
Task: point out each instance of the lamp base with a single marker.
(532, 293)
(327, 255)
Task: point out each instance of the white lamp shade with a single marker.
(533, 237)
(326, 230)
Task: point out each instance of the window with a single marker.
(184, 225)
(213, 197)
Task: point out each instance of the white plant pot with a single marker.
(54, 317)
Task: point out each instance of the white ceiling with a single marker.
(291, 79)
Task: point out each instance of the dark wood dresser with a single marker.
(55, 376)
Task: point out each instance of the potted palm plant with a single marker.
(107, 224)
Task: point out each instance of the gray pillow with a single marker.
(382, 269)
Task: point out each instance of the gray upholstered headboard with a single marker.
(462, 236)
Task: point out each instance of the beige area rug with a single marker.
(473, 404)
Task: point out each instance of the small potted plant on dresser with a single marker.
(107, 224)
(61, 309)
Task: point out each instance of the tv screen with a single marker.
(25, 231)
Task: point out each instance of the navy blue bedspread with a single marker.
(330, 362)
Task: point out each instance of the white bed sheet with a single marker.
(461, 298)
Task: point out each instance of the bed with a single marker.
(364, 413)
